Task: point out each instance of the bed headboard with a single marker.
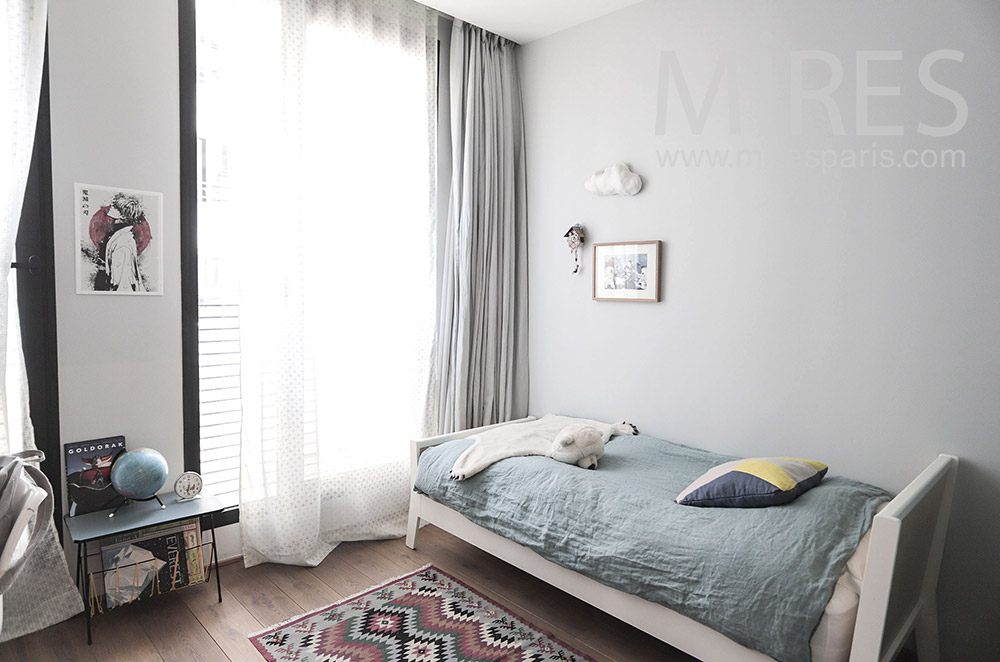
(418, 446)
(900, 585)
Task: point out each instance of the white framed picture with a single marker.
(119, 238)
(627, 271)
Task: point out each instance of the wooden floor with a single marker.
(190, 625)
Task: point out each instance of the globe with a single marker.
(139, 474)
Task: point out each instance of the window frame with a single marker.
(36, 300)
(188, 80)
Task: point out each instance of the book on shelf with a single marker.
(153, 560)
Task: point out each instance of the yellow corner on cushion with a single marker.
(768, 471)
(774, 473)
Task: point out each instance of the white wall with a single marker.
(114, 83)
(113, 68)
(846, 314)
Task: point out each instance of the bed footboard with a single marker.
(899, 592)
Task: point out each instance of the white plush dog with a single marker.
(529, 438)
(583, 445)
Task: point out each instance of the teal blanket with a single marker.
(761, 576)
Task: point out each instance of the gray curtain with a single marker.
(480, 363)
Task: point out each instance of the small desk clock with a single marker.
(188, 485)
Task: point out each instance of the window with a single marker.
(344, 193)
(220, 402)
(211, 311)
(210, 322)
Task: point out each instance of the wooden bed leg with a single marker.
(413, 522)
(928, 644)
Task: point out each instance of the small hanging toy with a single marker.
(574, 237)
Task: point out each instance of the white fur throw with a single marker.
(520, 439)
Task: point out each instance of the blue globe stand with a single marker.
(129, 500)
(138, 475)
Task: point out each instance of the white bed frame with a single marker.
(898, 594)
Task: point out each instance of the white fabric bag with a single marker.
(35, 587)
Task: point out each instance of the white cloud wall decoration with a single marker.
(614, 180)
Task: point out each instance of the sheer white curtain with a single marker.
(328, 127)
(22, 27)
(43, 593)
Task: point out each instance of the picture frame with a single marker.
(119, 241)
(627, 271)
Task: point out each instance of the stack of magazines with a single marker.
(151, 561)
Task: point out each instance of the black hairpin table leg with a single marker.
(215, 555)
(79, 566)
(86, 594)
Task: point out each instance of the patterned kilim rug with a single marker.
(426, 616)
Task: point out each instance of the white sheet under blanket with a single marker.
(831, 642)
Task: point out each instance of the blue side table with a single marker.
(90, 527)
